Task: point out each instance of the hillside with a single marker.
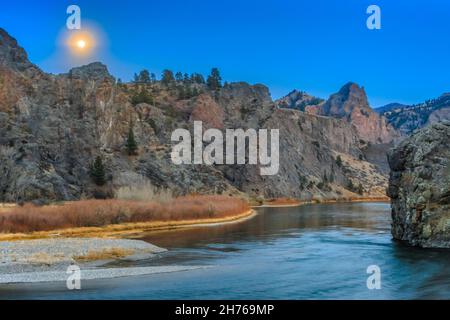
(407, 118)
(53, 127)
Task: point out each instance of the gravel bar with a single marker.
(56, 254)
(90, 274)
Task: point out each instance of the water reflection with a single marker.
(271, 223)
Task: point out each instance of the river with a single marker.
(307, 252)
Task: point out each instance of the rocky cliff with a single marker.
(52, 127)
(419, 186)
(351, 104)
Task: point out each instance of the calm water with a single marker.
(308, 252)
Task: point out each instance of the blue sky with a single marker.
(316, 46)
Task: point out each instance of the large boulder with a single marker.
(420, 187)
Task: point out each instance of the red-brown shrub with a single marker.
(97, 213)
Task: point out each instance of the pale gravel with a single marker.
(49, 258)
(89, 274)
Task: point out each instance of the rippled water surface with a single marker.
(308, 252)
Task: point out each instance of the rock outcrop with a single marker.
(351, 104)
(419, 186)
(302, 101)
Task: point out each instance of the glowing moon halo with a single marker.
(81, 43)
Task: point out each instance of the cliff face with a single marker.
(419, 187)
(310, 147)
(350, 104)
(53, 126)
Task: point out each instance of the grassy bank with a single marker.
(106, 217)
(289, 202)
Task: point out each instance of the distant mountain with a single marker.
(406, 118)
(389, 107)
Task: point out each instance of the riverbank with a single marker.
(52, 254)
(27, 260)
(47, 260)
(123, 230)
(285, 202)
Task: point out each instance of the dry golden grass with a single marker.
(120, 230)
(106, 254)
(283, 202)
(101, 213)
(5, 207)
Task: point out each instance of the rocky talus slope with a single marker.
(52, 127)
(419, 186)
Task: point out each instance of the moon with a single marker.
(81, 44)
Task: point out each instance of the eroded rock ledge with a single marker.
(419, 186)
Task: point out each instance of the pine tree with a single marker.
(197, 78)
(167, 77)
(131, 142)
(144, 76)
(98, 172)
(350, 185)
(339, 161)
(179, 77)
(325, 177)
(214, 80)
(360, 189)
(142, 97)
(186, 79)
